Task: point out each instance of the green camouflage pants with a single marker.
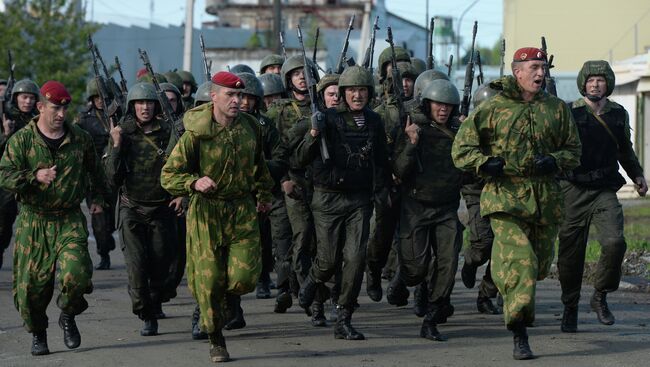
(480, 244)
(223, 254)
(522, 254)
(583, 207)
(45, 243)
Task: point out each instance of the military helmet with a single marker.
(419, 65)
(292, 63)
(169, 87)
(25, 86)
(175, 79)
(596, 67)
(92, 89)
(3, 81)
(203, 93)
(269, 60)
(271, 84)
(326, 81)
(252, 85)
(407, 71)
(356, 76)
(385, 57)
(483, 93)
(424, 79)
(146, 78)
(443, 91)
(187, 77)
(141, 91)
(242, 68)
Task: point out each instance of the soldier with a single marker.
(385, 67)
(429, 241)
(419, 65)
(344, 187)
(203, 94)
(22, 109)
(175, 79)
(273, 88)
(103, 224)
(271, 64)
(590, 193)
(480, 234)
(518, 141)
(219, 163)
(147, 213)
(189, 87)
(242, 68)
(50, 165)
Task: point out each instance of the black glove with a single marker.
(318, 121)
(493, 166)
(545, 165)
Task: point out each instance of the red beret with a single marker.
(140, 73)
(56, 93)
(529, 54)
(229, 80)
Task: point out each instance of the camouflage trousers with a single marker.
(223, 254)
(583, 207)
(522, 254)
(480, 244)
(45, 243)
(281, 235)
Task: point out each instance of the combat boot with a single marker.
(421, 299)
(569, 320)
(307, 292)
(263, 290)
(318, 315)
(236, 313)
(485, 305)
(150, 327)
(283, 302)
(429, 329)
(39, 343)
(197, 334)
(397, 294)
(218, 351)
(334, 312)
(445, 311)
(343, 328)
(104, 263)
(600, 307)
(71, 336)
(468, 275)
(520, 338)
(373, 285)
(156, 310)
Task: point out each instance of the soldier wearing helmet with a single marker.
(273, 88)
(147, 213)
(345, 187)
(202, 94)
(328, 91)
(590, 193)
(271, 64)
(242, 68)
(189, 87)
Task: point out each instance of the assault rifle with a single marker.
(313, 95)
(167, 110)
(112, 85)
(101, 88)
(206, 66)
(431, 63)
(370, 51)
(123, 87)
(469, 77)
(5, 98)
(450, 64)
(503, 57)
(340, 64)
(479, 77)
(549, 82)
(284, 50)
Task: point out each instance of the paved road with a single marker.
(110, 334)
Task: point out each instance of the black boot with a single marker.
(39, 343)
(150, 327)
(599, 306)
(318, 315)
(397, 294)
(373, 285)
(334, 312)
(71, 336)
(104, 263)
(236, 313)
(485, 305)
(520, 338)
(468, 274)
(156, 310)
(432, 318)
(263, 290)
(307, 292)
(218, 351)
(445, 311)
(197, 334)
(569, 320)
(283, 302)
(421, 298)
(343, 328)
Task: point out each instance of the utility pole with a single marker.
(189, 27)
(277, 27)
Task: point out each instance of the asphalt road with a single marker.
(110, 333)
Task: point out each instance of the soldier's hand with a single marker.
(545, 165)
(116, 135)
(95, 209)
(263, 207)
(204, 184)
(7, 126)
(462, 118)
(493, 166)
(288, 187)
(46, 175)
(641, 185)
(177, 205)
(318, 121)
(412, 131)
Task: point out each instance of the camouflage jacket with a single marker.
(91, 121)
(77, 166)
(134, 167)
(231, 156)
(509, 127)
(389, 114)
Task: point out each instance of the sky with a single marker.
(489, 14)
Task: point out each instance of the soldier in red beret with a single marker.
(519, 140)
(50, 165)
(219, 163)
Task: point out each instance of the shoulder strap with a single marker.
(609, 131)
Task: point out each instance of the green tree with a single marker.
(489, 55)
(48, 41)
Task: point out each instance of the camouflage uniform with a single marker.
(223, 244)
(524, 207)
(51, 231)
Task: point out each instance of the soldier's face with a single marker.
(98, 103)
(298, 79)
(331, 95)
(173, 99)
(273, 69)
(530, 75)
(26, 102)
(51, 115)
(270, 98)
(248, 103)
(407, 84)
(356, 97)
(596, 86)
(187, 89)
(226, 101)
(144, 110)
(440, 112)
(3, 88)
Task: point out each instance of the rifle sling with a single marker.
(609, 131)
